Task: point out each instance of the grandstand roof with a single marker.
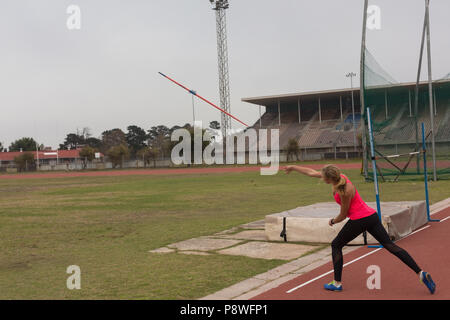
(335, 93)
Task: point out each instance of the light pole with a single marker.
(351, 75)
(220, 6)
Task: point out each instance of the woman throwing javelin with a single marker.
(361, 218)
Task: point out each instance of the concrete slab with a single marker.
(310, 223)
(203, 244)
(247, 235)
(162, 250)
(267, 250)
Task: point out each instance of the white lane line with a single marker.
(442, 220)
(346, 264)
(415, 232)
(324, 274)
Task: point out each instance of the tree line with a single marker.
(117, 145)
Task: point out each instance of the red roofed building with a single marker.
(45, 157)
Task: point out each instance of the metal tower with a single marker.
(222, 52)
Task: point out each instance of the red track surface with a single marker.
(429, 247)
(156, 171)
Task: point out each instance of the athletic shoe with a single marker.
(426, 279)
(332, 287)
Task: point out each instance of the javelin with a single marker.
(198, 96)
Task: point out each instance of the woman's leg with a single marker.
(376, 229)
(348, 232)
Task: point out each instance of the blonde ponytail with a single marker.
(340, 187)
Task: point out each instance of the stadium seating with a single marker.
(331, 131)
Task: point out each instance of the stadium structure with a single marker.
(322, 121)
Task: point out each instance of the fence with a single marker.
(305, 154)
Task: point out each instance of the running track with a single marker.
(429, 246)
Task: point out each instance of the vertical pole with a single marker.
(374, 164)
(299, 116)
(430, 89)
(425, 174)
(353, 114)
(340, 106)
(416, 91)
(223, 70)
(361, 88)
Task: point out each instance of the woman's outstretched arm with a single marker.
(306, 171)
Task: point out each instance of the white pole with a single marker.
(430, 89)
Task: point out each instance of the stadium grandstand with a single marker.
(322, 121)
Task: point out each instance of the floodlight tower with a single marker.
(222, 51)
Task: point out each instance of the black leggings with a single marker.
(373, 225)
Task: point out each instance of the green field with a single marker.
(107, 225)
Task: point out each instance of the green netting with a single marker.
(398, 108)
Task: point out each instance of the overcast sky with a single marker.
(54, 80)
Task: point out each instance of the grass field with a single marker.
(107, 225)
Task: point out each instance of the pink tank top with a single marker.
(358, 208)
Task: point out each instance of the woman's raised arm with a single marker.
(306, 171)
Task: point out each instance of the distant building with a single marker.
(46, 157)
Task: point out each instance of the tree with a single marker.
(25, 161)
(1, 147)
(26, 144)
(147, 154)
(78, 139)
(112, 138)
(94, 143)
(87, 154)
(136, 138)
(73, 141)
(159, 138)
(117, 154)
(292, 148)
